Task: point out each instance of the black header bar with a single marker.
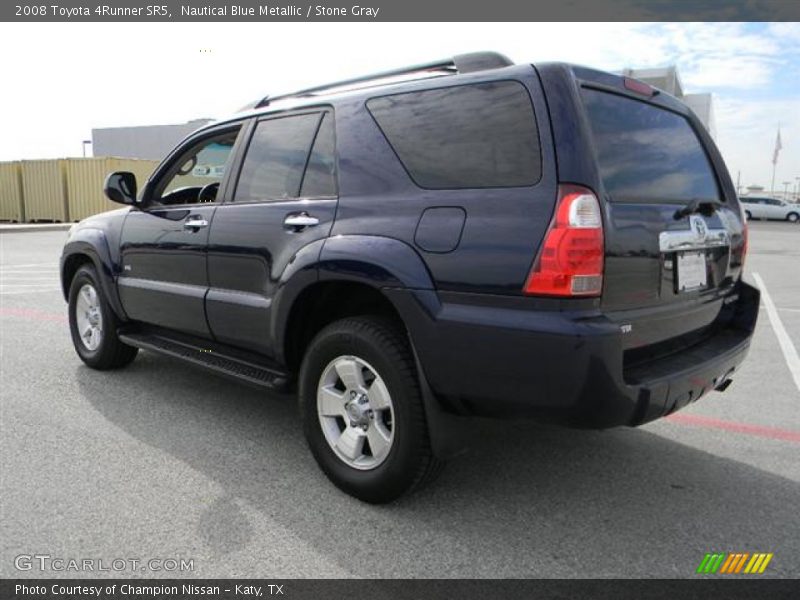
(399, 10)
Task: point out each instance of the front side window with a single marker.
(469, 136)
(196, 175)
(280, 164)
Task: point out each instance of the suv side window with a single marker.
(320, 176)
(197, 173)
(277, 157)
(469, 136)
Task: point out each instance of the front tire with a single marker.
(93, 324)
(748, 216)
(793, 217)
(362, 410)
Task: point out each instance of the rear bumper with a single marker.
(565, 367)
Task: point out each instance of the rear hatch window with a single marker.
(653, 164)
(646, 153)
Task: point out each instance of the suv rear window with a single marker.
(470, 136)
(646, 153)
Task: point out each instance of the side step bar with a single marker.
(235, 368)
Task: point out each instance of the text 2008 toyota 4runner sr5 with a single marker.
(466, 237)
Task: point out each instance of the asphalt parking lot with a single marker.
(161, 460)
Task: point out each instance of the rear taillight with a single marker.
(743, 218)
(745, 236)
(570, 262)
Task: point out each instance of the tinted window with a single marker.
(472, 136)
(276, 158)
(647, 154)
(320, 177)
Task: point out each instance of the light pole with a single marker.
(86, 143)
(786, 190)
(797, 189)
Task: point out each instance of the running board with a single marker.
(207, 358)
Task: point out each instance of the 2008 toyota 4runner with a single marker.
(465, 237)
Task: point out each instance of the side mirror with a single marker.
(120, 187)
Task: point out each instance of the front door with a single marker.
(284, 200)
(163, 246)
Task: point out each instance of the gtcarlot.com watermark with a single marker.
(50, 563)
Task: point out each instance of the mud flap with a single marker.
(447, 432)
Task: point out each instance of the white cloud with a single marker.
(127, 74)
(747, 132)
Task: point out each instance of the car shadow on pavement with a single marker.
(527, 501)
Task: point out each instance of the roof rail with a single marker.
(461, 63)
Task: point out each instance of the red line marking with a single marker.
(773, 433)
(33, 314)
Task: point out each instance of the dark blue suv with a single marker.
(465, 237)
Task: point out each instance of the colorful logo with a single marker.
(734, 563)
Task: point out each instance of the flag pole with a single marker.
(772, 187)
(778, 147)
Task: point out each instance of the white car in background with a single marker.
(769, 208)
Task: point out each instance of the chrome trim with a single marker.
(195, 223)
(301, 220)
(671, 241)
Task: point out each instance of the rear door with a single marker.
(284, 199)
(777, 209)
(673, 240)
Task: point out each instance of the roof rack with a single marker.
(461, 63)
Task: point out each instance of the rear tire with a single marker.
(93, 324)
(748, 216)
(375, 358)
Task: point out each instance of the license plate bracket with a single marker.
(691, 271)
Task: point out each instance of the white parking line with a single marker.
(36, 291)
(22, 285)
(52, 265)
(18, 271)
(785, 342)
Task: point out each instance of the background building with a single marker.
(667, 79)
(151, 142)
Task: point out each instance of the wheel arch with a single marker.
(347, 276)
(325, 302)
(89, 246)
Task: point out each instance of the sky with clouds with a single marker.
(63, 79)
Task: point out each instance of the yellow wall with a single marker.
(61, 189)
(11, 205)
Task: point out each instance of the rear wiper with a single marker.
(705, 208)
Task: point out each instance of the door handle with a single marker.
(300, 221)
(195, 223)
